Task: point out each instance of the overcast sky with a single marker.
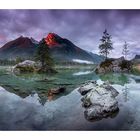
(83, 27)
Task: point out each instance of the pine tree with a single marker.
(18, 59)
(106, 44)
(125, 50)
(43, 55)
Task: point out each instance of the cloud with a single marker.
(82, 27)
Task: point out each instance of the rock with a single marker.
(84, 89)
(114, 65)
(99, 101)
(25, 66)
(31, 66)
(56, 91)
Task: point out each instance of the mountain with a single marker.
(136, 59)
(61, 49)
(96, 57)
(23, 47)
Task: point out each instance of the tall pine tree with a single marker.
(43, 55)
(106, 44)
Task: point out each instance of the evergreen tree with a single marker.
(125, 50)
(18, 59)
(106, 44)
(43, 55)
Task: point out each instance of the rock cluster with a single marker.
(114, 65)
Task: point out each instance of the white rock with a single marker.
(26, 65)
(99, 100)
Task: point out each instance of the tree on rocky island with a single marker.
(18, 59)
(44, 57)
(125, 50)
(106, 44)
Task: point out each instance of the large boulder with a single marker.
(25, 66)
(114, 65)
(99, 100)
(31, 66)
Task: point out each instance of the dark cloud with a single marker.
(82, 27)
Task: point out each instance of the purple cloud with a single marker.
(82, 27)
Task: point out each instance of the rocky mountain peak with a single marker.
(52, 39)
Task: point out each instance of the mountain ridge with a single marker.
(61, 49)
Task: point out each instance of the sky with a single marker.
(83, 27)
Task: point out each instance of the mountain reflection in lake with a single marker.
(26, 84)
(64, 112)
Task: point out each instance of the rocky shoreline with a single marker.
(114, 65)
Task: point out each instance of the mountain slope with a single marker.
(61, 49)
(21, 47)
(136, 59)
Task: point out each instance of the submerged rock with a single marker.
(56, 91)
(99, 100)
(114, 65)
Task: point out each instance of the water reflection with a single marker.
(66, 113)
(115, 78)
(42, 83)
(110, 115)
(32, 109)
(125, 93)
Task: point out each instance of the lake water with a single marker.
(24, 103)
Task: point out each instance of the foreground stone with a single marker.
(99, 100)
(114, 65)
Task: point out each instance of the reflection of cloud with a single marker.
(82, 27)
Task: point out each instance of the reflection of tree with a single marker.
(125, 93)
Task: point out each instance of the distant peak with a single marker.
(52, 39)
(52, 35)
(22, 37)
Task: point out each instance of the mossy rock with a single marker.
(26, 69)
(114, 65)
(125, 65)
(106, 63)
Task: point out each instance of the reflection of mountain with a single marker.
(60, 48)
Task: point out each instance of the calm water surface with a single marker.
(24, 103)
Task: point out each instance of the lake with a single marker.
(24, 104)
